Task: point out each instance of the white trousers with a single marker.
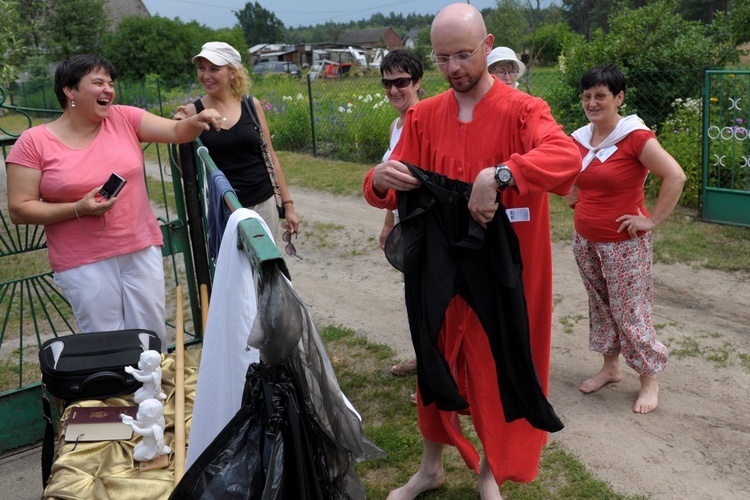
(119, 293)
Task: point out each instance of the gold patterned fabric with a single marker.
(105, 470)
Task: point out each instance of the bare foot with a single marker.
(648, 396)
(603, 377)
(418, 484)
(488, 488)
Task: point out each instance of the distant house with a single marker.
(117, 10)
(276, 52)
(410, 40)
(372, 38)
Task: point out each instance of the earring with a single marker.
(72, 103)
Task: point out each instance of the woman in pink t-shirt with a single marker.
(105, 251)
(612, 242)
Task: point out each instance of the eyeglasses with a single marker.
(289, 249)
(503, 74)
(598, 97)
(399, 83)
(460, 57)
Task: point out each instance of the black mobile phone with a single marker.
(112, 187)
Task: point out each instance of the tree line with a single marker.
(653, 34)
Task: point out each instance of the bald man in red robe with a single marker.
(465, 133)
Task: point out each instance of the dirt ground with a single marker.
(696, 445)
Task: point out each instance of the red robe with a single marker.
(516, 129)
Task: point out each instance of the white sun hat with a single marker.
(505, 54)
(220, 54)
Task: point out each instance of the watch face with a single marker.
(503, 175)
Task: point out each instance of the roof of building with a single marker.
(368, 35)
(117, 10)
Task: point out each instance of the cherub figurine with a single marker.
(149, 373)
(149, 424)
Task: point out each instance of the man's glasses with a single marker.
(598, 97)
(460, 57)
(399, 83)
(503, 74)
(289, 248)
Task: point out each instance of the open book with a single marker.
(100, 423)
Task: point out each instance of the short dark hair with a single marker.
(70, 71)
(402, 60)
(609, 75)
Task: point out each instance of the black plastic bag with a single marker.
(264, 452)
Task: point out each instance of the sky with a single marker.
(293, 13)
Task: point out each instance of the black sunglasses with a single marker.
(398, 82)
(289, 249)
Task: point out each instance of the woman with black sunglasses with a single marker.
(401, 72)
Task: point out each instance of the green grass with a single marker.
(332, 176)
(390, 421)
(703, 345)
(13, 123)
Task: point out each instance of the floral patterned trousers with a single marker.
(618, 279)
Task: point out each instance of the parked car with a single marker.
(271, 67)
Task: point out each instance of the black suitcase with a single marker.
(92, 365)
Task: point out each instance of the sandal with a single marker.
(404, 368)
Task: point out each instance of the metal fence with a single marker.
(314, 124)
(347, 118)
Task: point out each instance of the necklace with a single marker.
(67, 134)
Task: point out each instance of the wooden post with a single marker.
(179, 392)
(204, 308)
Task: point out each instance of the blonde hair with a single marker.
(241, 83)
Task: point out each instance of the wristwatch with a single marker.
(503, 176)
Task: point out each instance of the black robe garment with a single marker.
(443, 251)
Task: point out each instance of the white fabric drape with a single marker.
(226, 356)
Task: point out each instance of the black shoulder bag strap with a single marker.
(253, 114)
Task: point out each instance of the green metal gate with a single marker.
(726, 147)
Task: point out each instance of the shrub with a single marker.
(682, 135)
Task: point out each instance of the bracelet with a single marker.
(104, 216)
(287, 201)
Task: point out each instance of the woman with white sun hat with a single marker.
(503, 63)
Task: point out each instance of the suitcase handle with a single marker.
(103, 376)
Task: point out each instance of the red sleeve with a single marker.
(552, 160)
(389, 201)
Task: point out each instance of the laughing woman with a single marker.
(612, 242)
(106, 253)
